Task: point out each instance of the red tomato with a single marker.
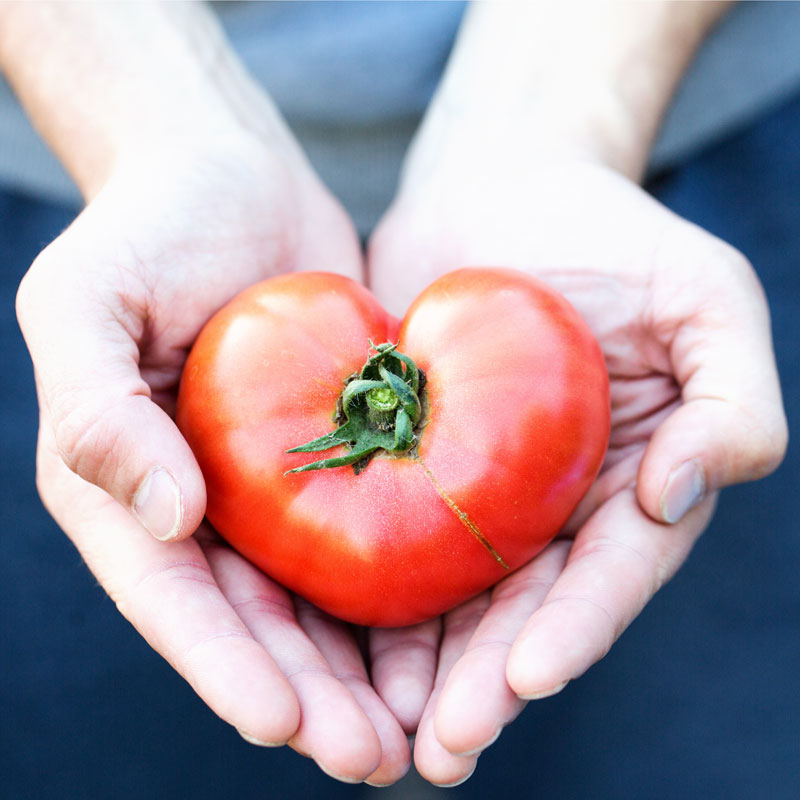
(513, 428)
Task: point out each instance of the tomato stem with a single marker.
(381, 410)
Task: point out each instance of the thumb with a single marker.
(731, 426)
(106, 427)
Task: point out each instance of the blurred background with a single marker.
(697, 699)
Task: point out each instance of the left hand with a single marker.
(696, 405)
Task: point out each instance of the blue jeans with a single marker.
(698, 698)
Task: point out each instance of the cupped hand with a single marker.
(695, 402)
(109, 311)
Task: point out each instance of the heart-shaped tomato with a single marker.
(512, 423)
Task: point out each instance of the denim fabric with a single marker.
(698, 698)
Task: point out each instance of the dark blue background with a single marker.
(698, 699)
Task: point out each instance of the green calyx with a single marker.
(378, 409)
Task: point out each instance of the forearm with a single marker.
(104, 81)
(591, 79)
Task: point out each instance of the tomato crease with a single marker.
(459, 512)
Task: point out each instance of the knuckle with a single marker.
(24, 301)
(594, 620)
(768, 446)
(728, 270)
(278, 609)
(31, 286)
(758, 438)
(737, 271)
(725, 258)
(44, 483)
(733, 259)
(87, 441)
(167, 580)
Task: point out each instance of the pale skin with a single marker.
(530, 167)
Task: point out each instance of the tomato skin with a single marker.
(516, 431)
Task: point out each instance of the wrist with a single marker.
(112, 83)
(559, 81)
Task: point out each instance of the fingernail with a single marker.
(459, 781)
(540, 695)
(250, 739)
(477, 750)
(333, 775)
(157, 504)
(685, 488)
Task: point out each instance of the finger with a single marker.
(168, 593)
(106, 428)
(618, 561)
(614, 477)
(463, 726)
(403, 667)
(333, 730)
(433, 761)
(337, 644)
(731, 426)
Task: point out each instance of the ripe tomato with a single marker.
(511, 429)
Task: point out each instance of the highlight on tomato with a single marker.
(384, 470)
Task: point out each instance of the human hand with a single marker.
(109, 311)
(196, 190)
(696, 405)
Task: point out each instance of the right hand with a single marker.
(109, 311)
